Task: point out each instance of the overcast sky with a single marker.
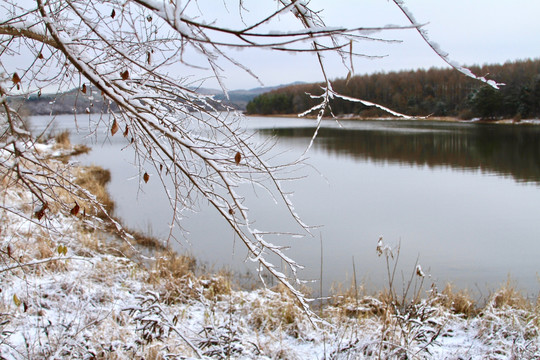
(471, 31)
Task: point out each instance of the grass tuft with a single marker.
(458, 301)
(95, 179)
(508, 296)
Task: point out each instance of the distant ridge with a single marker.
(239, 99)
(73, 101)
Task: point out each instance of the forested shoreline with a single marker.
(438, 92)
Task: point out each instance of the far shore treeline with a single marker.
(437, 92)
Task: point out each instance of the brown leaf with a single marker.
(41, 212)
(146, 177)
(160, 167)
(124, 75)
(148, 58)
(16, 79)
(75, 209)
(9, 250)
(126, 131)
(231, 212)
(113, 13)
(83, 89)
(40, 56)
(16, 300)
(237, 158)
(114, 128)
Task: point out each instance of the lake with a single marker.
(461, 198)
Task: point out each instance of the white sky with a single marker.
(471, 31)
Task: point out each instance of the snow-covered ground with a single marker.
(70, 291)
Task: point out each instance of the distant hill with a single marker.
(69, 102)
(438, 92)
(75, 101)
(239, 99)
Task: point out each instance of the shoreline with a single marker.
(448, 119)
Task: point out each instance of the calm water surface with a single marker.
(463, 199)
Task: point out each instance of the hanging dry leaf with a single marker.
(237, 158)
(16, 300)
(9, 250)
(231, 212)
(83, 89)
(113, 13)
(16, 79)
(40, 56)
(75, 209)
(126, 131)
(146, 177)
(114, 128)
(41, 212)
(160, 167)
(62, 249)
(124, 75)
(148, 58)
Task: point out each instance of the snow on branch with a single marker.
(437, 49)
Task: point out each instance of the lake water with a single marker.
(462, 198)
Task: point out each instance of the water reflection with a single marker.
(505, 150)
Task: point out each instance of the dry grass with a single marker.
(95, 179)
(277, 310)
(62, 140)
(459, 301)
(508, 296)
(147, 241)
(173, 275)
(173, 266)
(353, 302)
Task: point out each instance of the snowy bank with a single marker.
(70, 290)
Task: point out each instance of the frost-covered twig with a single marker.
(154, 323)
(437, 49)
(42, 261)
